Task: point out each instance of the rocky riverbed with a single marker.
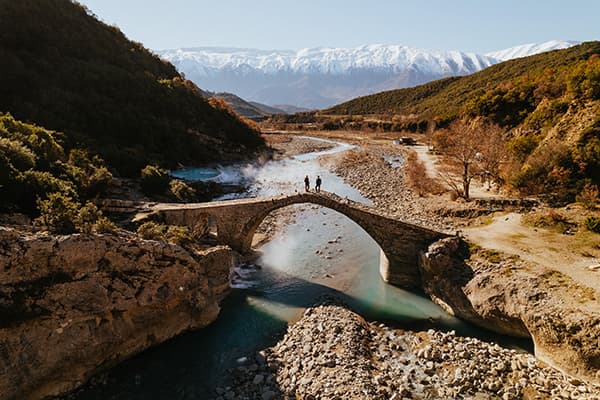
(385, 185)
(332, 353)
(290, 145)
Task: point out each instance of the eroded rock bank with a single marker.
(510, 296)
(332, 353)
(73, 305)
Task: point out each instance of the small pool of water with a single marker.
(196, 174)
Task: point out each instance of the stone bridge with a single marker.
(237, 220)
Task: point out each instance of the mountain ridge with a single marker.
(320, 77)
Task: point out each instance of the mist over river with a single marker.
(322, 252)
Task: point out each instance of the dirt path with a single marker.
(564, 253)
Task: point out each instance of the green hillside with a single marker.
(506, 92)
(35, 162)
(548, 105)
(65, 70)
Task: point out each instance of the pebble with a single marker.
(332, 353)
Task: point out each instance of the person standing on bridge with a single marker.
(306, 183)
(318, 184)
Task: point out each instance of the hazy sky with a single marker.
(468, 25)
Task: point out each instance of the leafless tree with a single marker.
(492, 153)
(470, 148)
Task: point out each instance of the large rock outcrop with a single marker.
(507, 295)
(73, 305)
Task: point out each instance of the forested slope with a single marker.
(60, 67)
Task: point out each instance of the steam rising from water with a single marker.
(273, 177)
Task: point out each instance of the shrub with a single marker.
(151, 231)
(34, 185)
(182, 191)
(588, 196)
(89, 173)
(592, 223)
(104, 225)
(521, 147)
(179, 235)
(154, 180)
(87, 217)
(20, 156)
(58, 213)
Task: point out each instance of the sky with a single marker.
(467, 25)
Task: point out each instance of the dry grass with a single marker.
(417, 178)
(550, 219)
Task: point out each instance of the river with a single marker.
(322, 252)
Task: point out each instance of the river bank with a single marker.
(333, 353)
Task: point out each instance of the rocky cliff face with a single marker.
(516, 298)
(72, 305)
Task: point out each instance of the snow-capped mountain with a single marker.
(326, 60)
(321, 77)
(530, 49)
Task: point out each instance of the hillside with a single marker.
(248, 109)
(510, 84)
(548, 106)
(67, 71)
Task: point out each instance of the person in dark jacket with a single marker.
(306, 183)
(318, 184)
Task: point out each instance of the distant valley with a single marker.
(322, 77)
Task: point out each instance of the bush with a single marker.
(588, 196)
(154, 180)
(58, 214)
(181, 191)
(20, 156)
(89, 173)
(592, 224)
(151, 231)
(87, 217)
(179, 235)
(104, 225)
(550, 219)
(34, 185)
(521, 147)
(33, 163)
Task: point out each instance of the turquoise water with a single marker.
(196, 174)
(295, 272)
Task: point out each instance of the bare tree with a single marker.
(469, 149)
(492, 154)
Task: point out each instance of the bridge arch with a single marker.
(237, 221)
(327, 201)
